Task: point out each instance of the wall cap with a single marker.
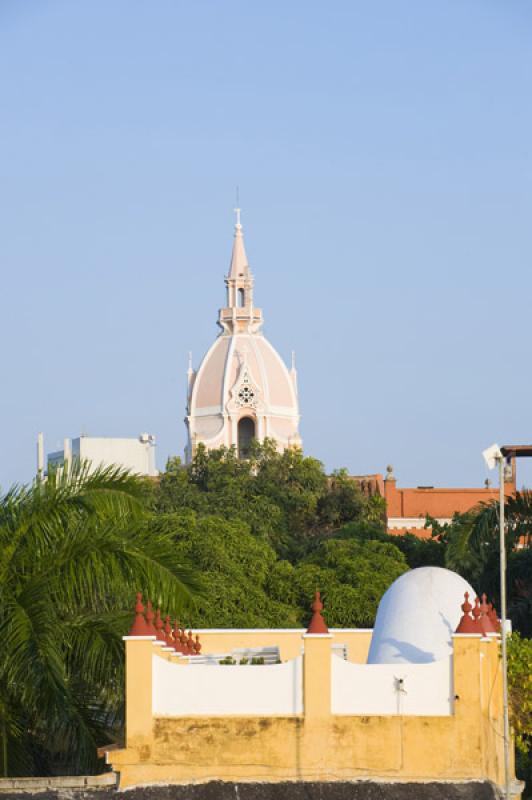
(139, 638)
(466, 636)
(278, 630)
(317, 636)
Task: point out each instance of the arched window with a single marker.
(246, 434)
(241, 298)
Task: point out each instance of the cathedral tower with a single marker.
(242, 389)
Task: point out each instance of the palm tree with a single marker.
(472, 541)
(73, 550)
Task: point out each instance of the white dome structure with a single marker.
(242, 389)
(417, 617)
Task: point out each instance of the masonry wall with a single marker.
(385, 689)
(275, 690)
(407, 509)
(314, 744)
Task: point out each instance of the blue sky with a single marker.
(383, 152)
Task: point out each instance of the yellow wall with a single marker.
(289, 641)
(318, 745)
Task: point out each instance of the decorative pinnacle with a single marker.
(177, 637)
(467, 624)
(150, 616)
(139, 627)
(317, 623)
(159, 626)
(238, 224)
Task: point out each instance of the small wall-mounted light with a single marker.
(400, 685)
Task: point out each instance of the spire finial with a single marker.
(139, 627)
(238, 224)
(317, 623)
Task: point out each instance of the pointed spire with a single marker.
(168, 631)
(239, 314)
(467, 623)
(159, 626)
(485, 619)
(139, 627)
(239, 262)
(150, 627)
(191, 375)
(177, 637)
(317, 623)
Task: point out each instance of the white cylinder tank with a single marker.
(417, 616)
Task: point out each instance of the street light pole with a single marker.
(502, 557)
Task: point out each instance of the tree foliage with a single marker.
(73, 550)
(520, 689)
(286, 498)
(351, 575)
(471, 547)
(235, 566)
(267, 531)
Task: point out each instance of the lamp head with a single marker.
(492, 455)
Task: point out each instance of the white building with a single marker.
(136, 455)
(242, 389)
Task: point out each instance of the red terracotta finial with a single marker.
(467, 623)
(197, 645)
(476, 617)
(139, 627)
(190, 644)
(151, 630)
(317, 623)
(159, 627)
(168, 631)
(177, 638)
(492, 614)
(485, 621)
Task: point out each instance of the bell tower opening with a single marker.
(246, 434)
(241, 300)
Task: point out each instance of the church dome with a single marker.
(243, 375)
(417, 617)
(242, 389)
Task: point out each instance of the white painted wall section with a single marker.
(375, 689)
(135, 454)
(414, 522)
(206, 690)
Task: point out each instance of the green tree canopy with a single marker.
(73, 550)
(234, 566)
(286, 498)
(247, 585)
(471, 547)
(352, 576)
